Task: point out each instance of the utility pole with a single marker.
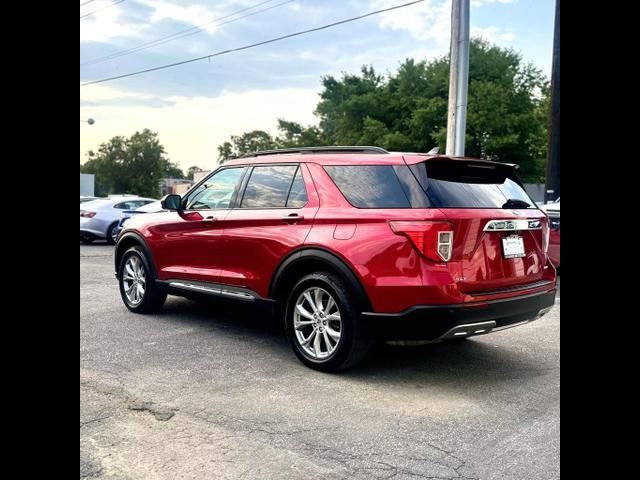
(458, 77)
(552, 190)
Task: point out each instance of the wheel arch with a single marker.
(311, 259)
(128, 240)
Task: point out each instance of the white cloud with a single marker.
(106, 24)
(479, 3)
(191, 128)
(493, 34)
(429, 20)
(103, 93)
(193, 14)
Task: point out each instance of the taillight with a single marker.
(84, 213)
(545, 237)
(433, 239)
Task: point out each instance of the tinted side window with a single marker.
(298, 194)
(131, 204)
(369, 186)
(216, 191)
(268, 187)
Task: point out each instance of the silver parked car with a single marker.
(99, 218)
(153, 207)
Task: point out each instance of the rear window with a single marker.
(369, 186)
(151, 207)
(460, 184)
(96, 203)
(131, 204)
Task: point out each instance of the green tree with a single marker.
(292, 134)
(245, 143)
(173, 171)
(132, 165)
(506, 115)
(407, 111)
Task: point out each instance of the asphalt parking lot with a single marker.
(207, 391)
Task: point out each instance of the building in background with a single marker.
(174, 185)
(87, 184)
(182, 188)
(197, 176)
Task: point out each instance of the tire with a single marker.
(352, 342)
(110, 239)
(151, 298)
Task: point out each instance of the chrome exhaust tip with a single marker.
(544, 311)
(468, 329)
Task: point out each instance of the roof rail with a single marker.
(310, 150)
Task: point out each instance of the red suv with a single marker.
(349, 245)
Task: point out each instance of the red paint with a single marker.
(244, 247)
(554, 247)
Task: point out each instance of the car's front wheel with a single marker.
(323, 323)
(137, 286)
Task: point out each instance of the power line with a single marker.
(184, 33)
(246, 47)
(98, 9)
(83, 4)
(160, 40)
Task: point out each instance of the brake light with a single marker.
(432, 239)
(84, 213)
(545, 237)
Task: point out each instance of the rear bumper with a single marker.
(434, 322)
(89, 233)
(93, 227)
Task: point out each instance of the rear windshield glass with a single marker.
(151, 207)
(369, 186)
(96, 203)
(460, 184)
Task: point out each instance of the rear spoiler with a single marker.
(411, 158)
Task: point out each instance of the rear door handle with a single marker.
(292, 218)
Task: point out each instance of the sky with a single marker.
(196, 107)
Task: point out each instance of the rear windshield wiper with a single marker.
(516, 203)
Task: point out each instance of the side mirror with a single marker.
(171, 202)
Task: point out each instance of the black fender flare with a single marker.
(329, 259)
(127, 239)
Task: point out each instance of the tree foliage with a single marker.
(134, 165)
(407, 111)
(247, 142)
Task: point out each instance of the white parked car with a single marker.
(553, 212)
(553, 206)
(99, 218)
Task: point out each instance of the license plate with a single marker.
(513, 247)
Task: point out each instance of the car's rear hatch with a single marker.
(499, 235)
